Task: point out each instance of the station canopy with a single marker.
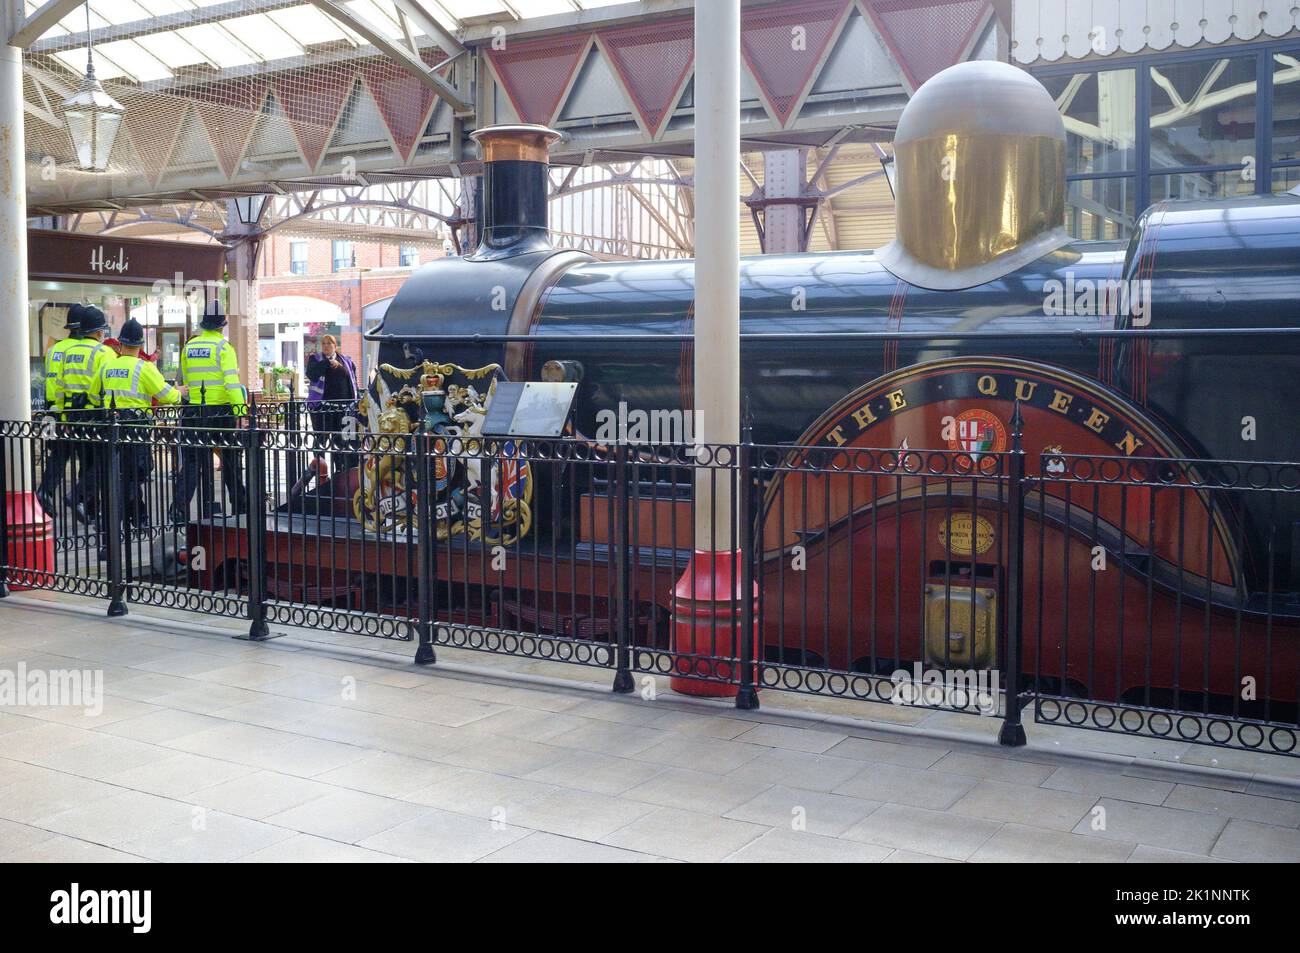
(143, 41)
(209, 84)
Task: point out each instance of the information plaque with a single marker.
(530, 409)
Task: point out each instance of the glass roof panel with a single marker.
(118, 11)
(140, 62)
(372, 14)
(163, 7)
(308, 25)
(75, 22)
(105, 67)
(541, 8)
(388, 8)
(473, 8)
(438, 10)
(217, 45)
(171, 49)
(264, 36)
(282, 31)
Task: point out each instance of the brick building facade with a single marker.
(308, 286)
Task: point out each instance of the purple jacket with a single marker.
(317, 373)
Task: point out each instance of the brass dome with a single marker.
(980, 162)
(523, 142)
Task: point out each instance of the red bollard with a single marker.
(31, 540)
(707, 617)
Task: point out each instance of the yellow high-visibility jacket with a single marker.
(131, 383)
(211, 371)
(83, 361)
(54, 372)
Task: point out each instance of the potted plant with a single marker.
(279, 381)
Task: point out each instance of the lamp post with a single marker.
(93, 117)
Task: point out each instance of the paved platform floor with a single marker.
(317, 747)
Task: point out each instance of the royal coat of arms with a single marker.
(451, 403)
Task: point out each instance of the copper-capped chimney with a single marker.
(515, 163)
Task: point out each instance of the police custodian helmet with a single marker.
(132, 334)
(72, 323)
(92, 319)
(214, 318)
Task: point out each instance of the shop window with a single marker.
(1201, 185)
(1099, 110)
(1101, 209)
(1204, 128)
(1286, 106)
(1286, 179)
(1203, 113)
(343, 255)
(298, 258)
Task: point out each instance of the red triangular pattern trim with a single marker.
(927, 36)
(767, 37)
(313, 108)
(404, 102)
(654, 62)
(536, 74)
(229, 114)
(147, 123)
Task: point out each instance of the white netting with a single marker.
(219, 104)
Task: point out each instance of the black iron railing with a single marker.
(1151, 597)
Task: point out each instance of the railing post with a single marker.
(255, 520)
(623, 683)
(112, 523)
(4, 500)
(424, 512)
(1013, 732)
(293, 429)
(747, 695)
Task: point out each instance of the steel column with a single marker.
(15, 395)
(717, 252)
(705, 616)
(241, 267)
(785, 226)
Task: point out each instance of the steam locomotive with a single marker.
(1180, 344)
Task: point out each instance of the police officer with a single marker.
(215, 400)
(128, 386)
(59, 451)
(83, 360)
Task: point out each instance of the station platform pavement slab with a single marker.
(324, 747)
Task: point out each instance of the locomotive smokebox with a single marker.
(515, 163)
(980, 153)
